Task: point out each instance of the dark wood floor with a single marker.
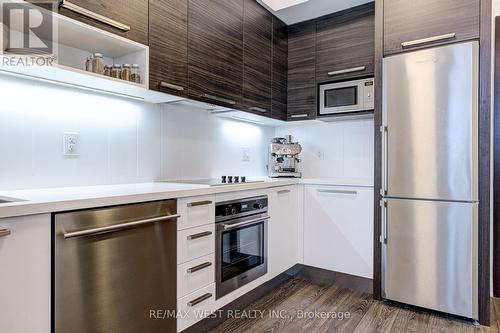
(298, 297)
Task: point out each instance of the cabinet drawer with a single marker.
(302, 71)
(345, 43)
(168, 46)
(444, 21)
(195, 274)
(201, 301)
(195, 211)
(195, 242)
(126, 18)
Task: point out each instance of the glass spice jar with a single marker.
(98, 63)
(88, 64)
(116, 71)
(126, 72)
(107, 70)
(135, 73)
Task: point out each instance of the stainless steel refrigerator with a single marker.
(430, 181)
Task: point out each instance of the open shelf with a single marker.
(74, 42)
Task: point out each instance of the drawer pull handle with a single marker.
(199, 299)
(200, 235)
(199, 267)
(170, 86)
(283, 191)
(255, 108)
(338, 192)
(90, 14)
(417, 42)
(348, 70)
(302, 115)
(199, 203)
(220, 99)
(4, 232)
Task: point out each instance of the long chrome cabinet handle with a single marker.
(427, 40)
(90, 14)
(199, 267)
(255, 108)
(4, 232)
(347, 70)
(200, 235)
(384, 131)
(338, 191)
(302, 115)
(246, 223)
(220, 99)
(117, 227)
(383, 233)
(170, 86)
(199, 299)
(199, 203)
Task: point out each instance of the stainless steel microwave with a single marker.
(348, 96)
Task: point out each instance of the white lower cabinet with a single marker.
(195, 306)
(338, 229)
(25, 274)
(195, 211)
(195, 242)
(282, 229)
(195, 274)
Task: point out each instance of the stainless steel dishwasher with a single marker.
(115, 269)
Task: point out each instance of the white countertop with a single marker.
(47, 200)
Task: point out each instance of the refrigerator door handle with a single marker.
(383, 236)
(383, 190)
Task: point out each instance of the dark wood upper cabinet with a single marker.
(279, 69)
(407, 22)
(257, 46)
(215, 57)
(168, 70)
(124, 14)
(345, 44)
(302, 71)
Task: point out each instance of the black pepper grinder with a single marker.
(236, 179)
(243, 179)
(229, 179)
(223, 179)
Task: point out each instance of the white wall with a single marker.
(119, 138)
(197, 144)
(127, 141)
(341, 149)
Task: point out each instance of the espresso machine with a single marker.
(284, 158)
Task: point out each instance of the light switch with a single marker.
(245, 154)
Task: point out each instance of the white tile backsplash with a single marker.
(340, 149)
(197, 144)
(119, 138)
(127, 141)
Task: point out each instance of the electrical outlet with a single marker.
(320, 154)
(71, 145)
(245, 154)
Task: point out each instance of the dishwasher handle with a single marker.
(117, 227)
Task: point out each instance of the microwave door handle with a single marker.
(244, 223)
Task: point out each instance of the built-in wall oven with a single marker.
(346, 96)
(241, 242)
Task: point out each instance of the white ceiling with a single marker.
(312, 9)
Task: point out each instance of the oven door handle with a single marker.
(245, 223)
